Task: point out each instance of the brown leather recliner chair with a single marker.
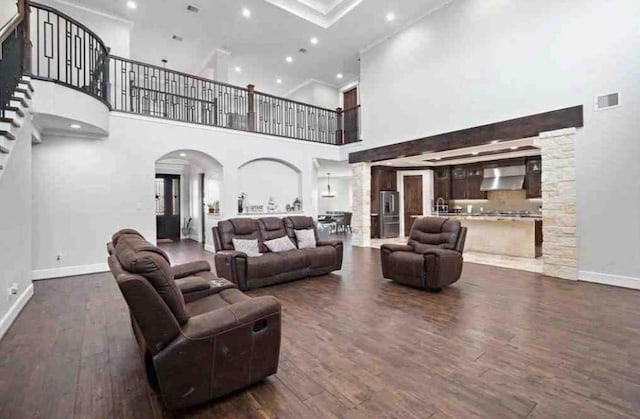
(432, 257)
(219, 341)
(272, 268)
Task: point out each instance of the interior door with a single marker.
(412, 200)
(350, 99)
(350, 115)
(168, 206)
(203, 210)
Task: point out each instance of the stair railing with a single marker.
(12, 58)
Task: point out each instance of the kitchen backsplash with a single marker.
(501, 201)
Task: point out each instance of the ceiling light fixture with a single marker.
(246, 12)
(183, 154)
(314, 40)
(75, 126)
(339, 75)
(132, 5)
(390, 17)
(238, 69)
(289, 59)
(438, 158)
(279, 81)
(515, 147)
(328, 193)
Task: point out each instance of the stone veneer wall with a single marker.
(361, 219)
(559, 249)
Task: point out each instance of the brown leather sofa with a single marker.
(272, 268)
(199, 336)
(432, 257)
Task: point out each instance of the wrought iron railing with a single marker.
(13, 40)
(67, 52)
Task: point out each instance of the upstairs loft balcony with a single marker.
(65, 51)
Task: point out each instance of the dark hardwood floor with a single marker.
(499, 343)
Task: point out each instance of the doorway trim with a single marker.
(427, 192)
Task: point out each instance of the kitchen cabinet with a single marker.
(382, 179)
(466, 181)
(533, 178)
(442, 184)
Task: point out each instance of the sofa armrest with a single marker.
(189, 269)
(396, 248)
(329, 242)
(232, 265)
(206, 325)
(443, 267)
(192, 284)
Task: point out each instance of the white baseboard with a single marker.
(209, 248)
(7, 320)
(608, 279)
(69, 271)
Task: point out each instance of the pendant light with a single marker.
(328, 193)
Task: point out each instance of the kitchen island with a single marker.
(502, 235)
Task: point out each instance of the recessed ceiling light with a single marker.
(279, 81)
(314, 40)
(75, 126)
(132, 5)
(183, 154)
(238, 69)
(289, 59)
(339, 75)
(246, 12)
(515, 147)
(438, 158)
(475, 153)
(390, 17)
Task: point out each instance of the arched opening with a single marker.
(268, 185)
(188, 194)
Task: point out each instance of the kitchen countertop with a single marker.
(525, 219)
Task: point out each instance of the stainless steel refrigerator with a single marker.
(389, 213)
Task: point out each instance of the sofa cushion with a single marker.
(294, 260)
(299, 222)
(306, 239)
(321, 257)
(407, 264)
(434, 231)
(250, 247)
(269, 264)
(281, 244)
(239, 228)
(138, 256)
(215, 301)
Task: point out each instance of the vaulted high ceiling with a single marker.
(259, 44)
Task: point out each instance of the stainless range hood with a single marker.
(510, 178)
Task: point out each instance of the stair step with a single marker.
(19, 101)
(9, 121)
(25, 92)
(4, 150)
(8, 135)
(18, 111)
(27, 83)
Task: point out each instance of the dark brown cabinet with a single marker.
(533, 179)
(466, 181)
(442, 184)
(382, 179)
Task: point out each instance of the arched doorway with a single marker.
(188, 191)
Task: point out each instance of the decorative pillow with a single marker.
(306, 239)
(281, 244)
(250, 247)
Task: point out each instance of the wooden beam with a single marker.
(513, 129)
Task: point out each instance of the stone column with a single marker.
(361, 219)
(559, 249)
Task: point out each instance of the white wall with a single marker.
(15, 227)
(342, 201)
(84, 190)
(262, 179)
(113, 30)
(8, 10)
(481, 61)
(316, 93)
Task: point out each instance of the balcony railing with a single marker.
(67, 52)
(12, 61)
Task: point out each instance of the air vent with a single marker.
(177, 38)
(302, 50)
(609, 101)
(192, 8)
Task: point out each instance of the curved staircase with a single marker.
(13, 119)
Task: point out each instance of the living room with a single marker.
(189, 210)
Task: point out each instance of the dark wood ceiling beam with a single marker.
(513, 129)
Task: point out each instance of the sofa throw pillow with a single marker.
(281, 244)
(306, 239)
(250, 247)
